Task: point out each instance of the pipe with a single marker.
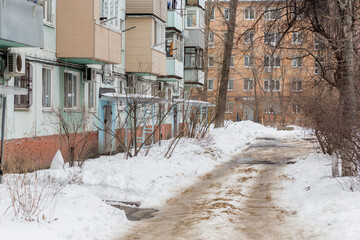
(2, 138)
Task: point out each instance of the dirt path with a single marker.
(234, 201)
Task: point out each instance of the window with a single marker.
(296, 85)
(249, 37)
(232, 61)
(272, 38)
(191, 18)
(159, 35)
(109, 9)
(92, 96)
(46, 87)
(211, 61)
(272, 13)
(229, 107)
(249, 13)
(211, 84)
(211, 39)
(193, 58)
(295, 108)
(248, 84)
(297, 37)
(48, 12)
(120, 87)
(212, 14)
(24, 101)
(272, 62)
(317, 66)
(297, 62)
(273, 85)
(272, 108)
(226, 14)
(248, 61)
(231, 84)
(318, 44)
(71, 89)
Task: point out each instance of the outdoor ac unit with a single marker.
(15, 64)
(90, 75)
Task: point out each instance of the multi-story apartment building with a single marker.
(264, 78)
(82, 57)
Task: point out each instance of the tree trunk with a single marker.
(347, 89)
(225, 68)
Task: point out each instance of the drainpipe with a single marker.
(2, 139)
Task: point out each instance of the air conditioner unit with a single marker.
(90, 75)
(15, 64)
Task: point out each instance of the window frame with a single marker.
(295, 108)
(48, 7)
(51, 69)
(232, 63)
(208, 86)
(246, 12)
(94, 91)
(77, 106)
(226, 14)
(227, 107)
(213, 61)
(295, 86)
(28, 79)
(297, 62)
(269, 13)
(211, 40)
(298, 39)
(159, 36)
(250, 60)
(115, 23)
(272, 85)
(246, 82)
(231, 85)
(272, 59)
(249, 37)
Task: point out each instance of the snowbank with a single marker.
(80, 212)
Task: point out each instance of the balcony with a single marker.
(157, 8)
(195, 38)
(175, 20)
(82, 38)
(196, 3)
(142, 54)
(194, 77)
(21, 25)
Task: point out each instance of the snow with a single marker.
(80, 211)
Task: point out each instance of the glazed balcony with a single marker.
(21, 24)
(194, 77)
(82, 37)
(157, 8)
(174, 20)
(196, 3)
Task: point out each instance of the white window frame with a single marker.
(188, 15)
(247, 86)
(233, 84)
(159, 35)
(297, 37)
(270, 13)
(109, 10)
(295, 108)
(272, 61)
(213, 61)
(271, 38)
(248, 11)
(213, 81)
(73, 107)
(212, 15)
(271, 85)
(232, 64)
(211, 40)
(226, 14)
(249, 37)
(297, 62)
(248, 61)
(295, 86)
(51, 69)
(48, 12)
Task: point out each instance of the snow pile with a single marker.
(80, 211)
(329, 204)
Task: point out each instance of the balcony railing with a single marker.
(175, 49)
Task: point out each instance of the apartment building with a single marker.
(82, 57)
(265, 79)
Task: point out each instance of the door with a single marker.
(248, 112)
(108, 127)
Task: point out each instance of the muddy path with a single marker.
(234, 201)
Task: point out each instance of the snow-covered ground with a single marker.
(80, 212)
(330, 205)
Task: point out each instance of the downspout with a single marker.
(2, 139)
